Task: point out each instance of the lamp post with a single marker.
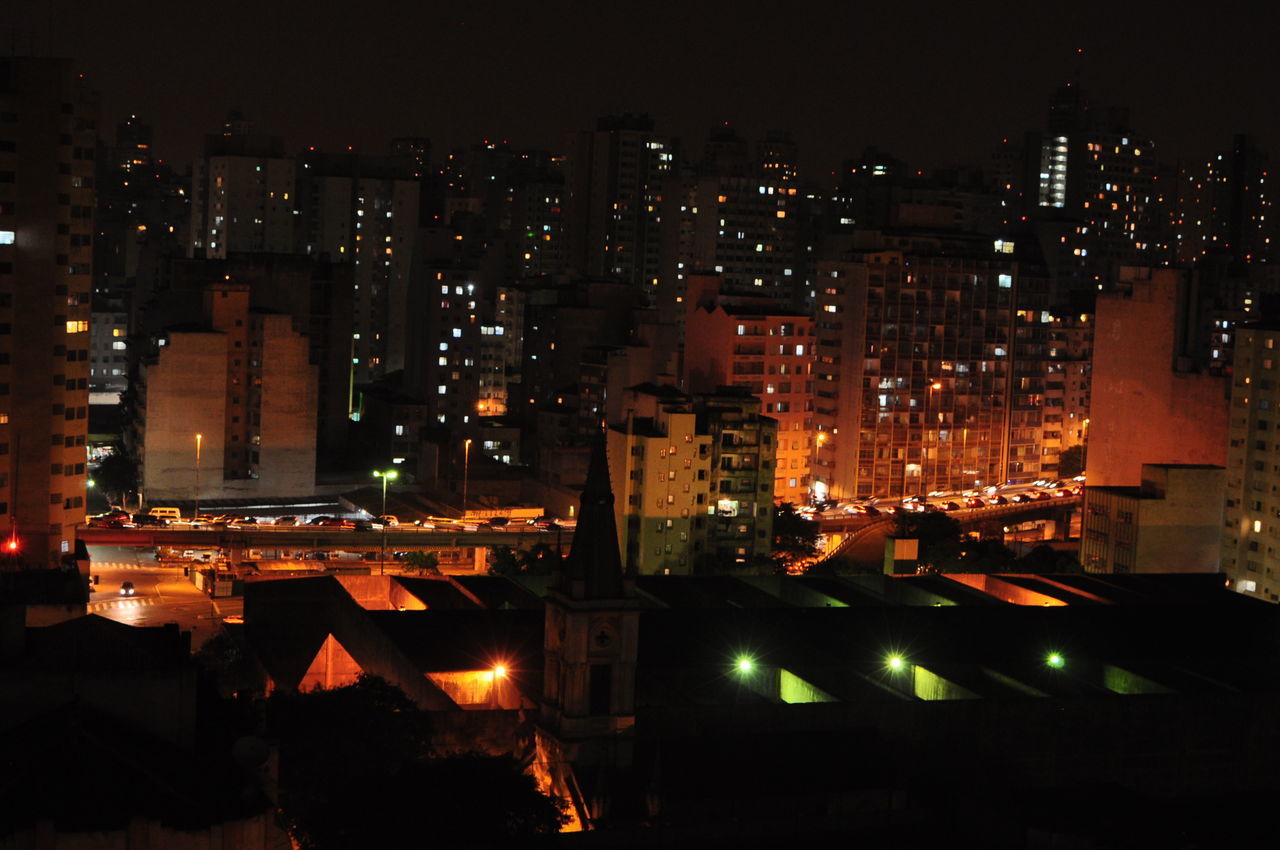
(387, 475)
(936, 385)
(466, 471)
(199, 440)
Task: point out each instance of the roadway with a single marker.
(304, 537)
(162, 594)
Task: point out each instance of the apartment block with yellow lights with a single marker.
(1251, 534)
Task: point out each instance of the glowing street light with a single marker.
(1055, 660)
(466, 471)
(896, 662)
(387, 475)
(199, 440)
(500, 671)
(745, 665)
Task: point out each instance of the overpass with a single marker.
(237, 541)
(862, 537)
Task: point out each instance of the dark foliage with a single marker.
(1071, 462)
(357, 770)
(795, 538)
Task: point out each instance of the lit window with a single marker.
(6, 237)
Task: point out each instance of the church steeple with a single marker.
(593, 569)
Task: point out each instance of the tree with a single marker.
(1071, 462)
(503, 561)
(423, 562)
(795, 536)
(358, 769)
(116, 473)
(540, 559)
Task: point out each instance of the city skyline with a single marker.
(921, 84)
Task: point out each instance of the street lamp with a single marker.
(199, 440)
(466, 471)
(387, 475)
(937, 443)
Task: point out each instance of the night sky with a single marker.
(933, 83)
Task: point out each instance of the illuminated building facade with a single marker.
(767, 352)
(443, 368)
(47, 141)
(614, 188)
(1152, 402)
(662, 464)
(914, 372)
(243, 381)
(1223, 207)
(1250, 553)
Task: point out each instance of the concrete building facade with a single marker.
(1250, 551)
(243, 382)
(1151, 404)
(47, 140)
(1169, 524)
(770, 353)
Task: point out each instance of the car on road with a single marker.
(389, 520)
(240, 522)
(127, 589)
(1021, 498)
(997, 499)
(544, 521)
(285, 520)
(950, 506)
(106, 521)
(144, 520)
(497, 521)
(425, 524)
(974, 502)
(363, 525)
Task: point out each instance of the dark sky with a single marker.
(933, 83)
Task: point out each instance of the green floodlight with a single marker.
(745, 665)
(1055, 660)
(896, 662)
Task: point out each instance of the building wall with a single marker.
(662, 485)
(46, 230)
(1169, 524)
(1250, 551)
(1147, 407)
(770, 355)
(185, 393)
(1181, 531)
(286, 411)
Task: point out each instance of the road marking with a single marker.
(113, 604)
(121, 565)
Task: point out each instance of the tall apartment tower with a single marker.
(1223, 207)
(242, 194)
(767, 351)
(1250, 552)
(613, 200)
(47, 142)
(914, 367)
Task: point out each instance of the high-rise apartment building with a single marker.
(363, 211)
(768, 352)
(242, 194)
(614, 196)
(1251, 539)
(693, 479)
(914, 367)
(1223, 207)
(47, 139)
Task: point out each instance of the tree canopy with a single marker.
(357, 769)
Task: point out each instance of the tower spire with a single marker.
(593, 569)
